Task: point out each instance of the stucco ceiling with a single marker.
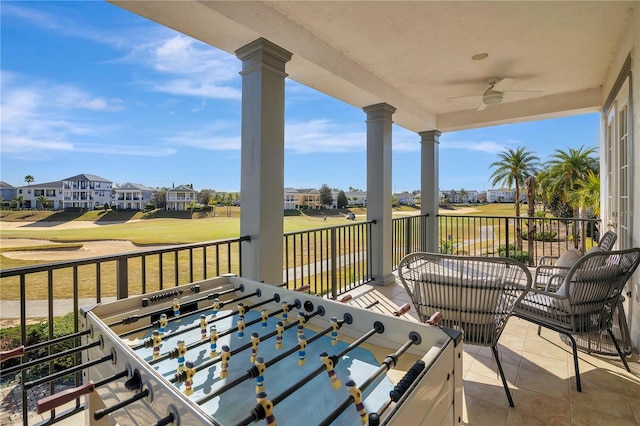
(417, 55)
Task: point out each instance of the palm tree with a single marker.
(587, 193)
(565, 171)
(19, 200)
(42, 200)
(29, 179)
(512, 168)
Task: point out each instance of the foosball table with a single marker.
(231, 351)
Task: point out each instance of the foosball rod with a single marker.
(210, 321)
(378, 327)
(67, 371)
(173, 353)
(56, 400)
(135, 318)
(253, 371)
(26, 365)
(133, 384)
(22, 350)
(207, 364)
(389, 362)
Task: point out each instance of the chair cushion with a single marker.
(568, 258)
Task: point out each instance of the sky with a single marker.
(87, 87)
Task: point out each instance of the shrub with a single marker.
(521, 256)
(541, 236)
(36, 333)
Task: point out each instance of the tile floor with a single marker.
(540, 373)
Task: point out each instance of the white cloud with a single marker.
(489, 147)
(185, 66)
(323, 136)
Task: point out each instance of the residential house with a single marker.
(85, 191)
(181, 197)
(132, 196)
(7, 191)
(357, 198)
(309, 198)
(405, 198)
(291, 198)
(504, 195)
(47, 195)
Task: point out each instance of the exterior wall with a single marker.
(406, 198)
(629, 45)
(290, 199)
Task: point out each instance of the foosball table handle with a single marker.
(402, 310)
(434, 319)
(56, 400)
(13, 353)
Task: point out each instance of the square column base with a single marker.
(384, 281)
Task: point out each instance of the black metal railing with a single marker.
(498, 236)
(330, 260)
(57, 289)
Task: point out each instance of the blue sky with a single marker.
(87, 87)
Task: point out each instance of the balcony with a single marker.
(539, 369)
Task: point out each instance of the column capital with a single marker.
(430, 136)
(261, 52)
(381, 110)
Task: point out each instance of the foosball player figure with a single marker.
(190, 371)
(334, 331)
(285, 312)
(267, 406)
(279, 331)
(182, 350)
(329, 364)
(157, 341)
(302, 319)
(241, 326)
(214, 308)
(357, 400)
(261, 366)
(163, 323)
(224, 361)
(265, 317)
(242, 309)
(255, 341)
(213, 339)
(302, 350)
(203, 327)
(176, 307)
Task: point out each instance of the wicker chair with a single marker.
(585, 301)
(474, 294)
(548, 275)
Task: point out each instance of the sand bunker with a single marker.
(89, 249)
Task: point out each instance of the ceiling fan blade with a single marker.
(523, 91)
(502, 84)
(466, 96)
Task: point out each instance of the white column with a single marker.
(379, 193)
(429, 186)
(262, 159)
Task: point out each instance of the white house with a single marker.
(41, 195)
(291, 196)
(405, 198)
(85, 191)
(132, 196)
(180, 197)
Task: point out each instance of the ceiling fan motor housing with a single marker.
(491, 97)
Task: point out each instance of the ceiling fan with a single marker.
(495, 92)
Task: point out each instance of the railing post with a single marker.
(334, 265)
(408, 237)
(122, 279)
(506, 234)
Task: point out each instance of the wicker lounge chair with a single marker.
(586, 300)
(474, 294)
